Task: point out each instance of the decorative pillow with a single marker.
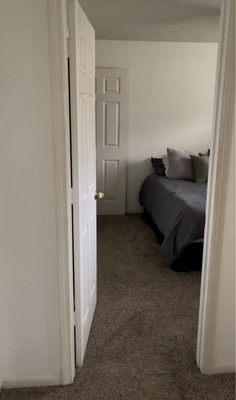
(165, 162)
(158, 166)
(180, 165)
(200, 168)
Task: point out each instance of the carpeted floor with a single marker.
(143, 340)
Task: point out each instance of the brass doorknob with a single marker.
(98, 195)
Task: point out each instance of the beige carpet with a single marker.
(143, 340)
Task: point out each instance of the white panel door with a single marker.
(82, 105)
(111, 133)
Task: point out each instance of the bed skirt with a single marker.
(190, 259)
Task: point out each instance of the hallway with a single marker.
(143, 340)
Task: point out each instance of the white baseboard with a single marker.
(131, 211)
(31, 381)
(218, 369)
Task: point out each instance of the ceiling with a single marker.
(154, 20)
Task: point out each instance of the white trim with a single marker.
(221, 139)
(218, 369)
(31, 381)
(57, 11)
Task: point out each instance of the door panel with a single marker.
(111, 179)
(111, 133)
(111, 120)
(82, 89)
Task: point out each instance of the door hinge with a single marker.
(74, 318)
(69, 50)
(71, 196)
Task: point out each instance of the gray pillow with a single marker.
(180, 165)
(200, 168)
(165, 162)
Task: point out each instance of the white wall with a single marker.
(223, 332)
(171, 92)
(30, 343)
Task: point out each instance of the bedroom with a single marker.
(166, 101)
(128, 329)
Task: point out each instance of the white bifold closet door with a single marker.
(111, 133)
(82, 101)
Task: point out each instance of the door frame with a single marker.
(58, 39)
(216, 193)
(58, 49)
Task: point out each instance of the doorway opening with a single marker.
(128, 251)
(149, 258)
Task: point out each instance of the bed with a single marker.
(177, 209)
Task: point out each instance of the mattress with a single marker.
(177, 207)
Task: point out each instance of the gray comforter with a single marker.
(178, 209)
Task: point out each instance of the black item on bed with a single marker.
(158, 166)
(177, 208)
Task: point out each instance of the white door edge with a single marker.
(215, 196)
(57, 17)
(82, 100)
